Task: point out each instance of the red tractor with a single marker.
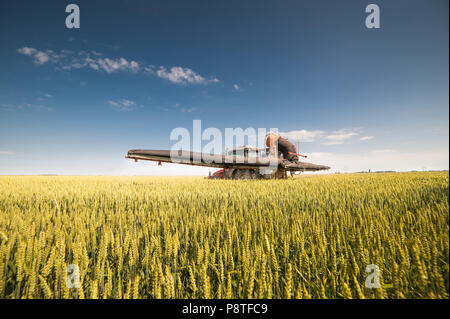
(244, 162)
(233, 173)
(221, 174)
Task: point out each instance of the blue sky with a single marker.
(73, 101)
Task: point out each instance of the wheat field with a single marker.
(187, 237)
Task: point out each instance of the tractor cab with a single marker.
(233, 173)
(246, 151)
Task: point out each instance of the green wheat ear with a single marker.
(3, 236)
(160, 237)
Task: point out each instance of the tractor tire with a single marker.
(244, 174)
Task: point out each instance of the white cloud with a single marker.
(127, 103)
(339, 137)
(81, 60)
(47, 95)
(112, 65)
(149, 69)
(381, 160)
(7, 153)
(40, 57)
(302, 135)
(320, 154)
(134, 66)
(68, 60)
(123, 104)
(109, 65)
(87, 62)
(180, 75)
(236, 87)
(27, 51)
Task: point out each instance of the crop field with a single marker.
(322, 236)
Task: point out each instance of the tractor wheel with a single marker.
(244, 174)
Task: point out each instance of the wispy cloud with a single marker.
(382, 151)
(67, 60)
(180, 75)
(8, 106)
(44, 97)
(113, 65)
(42, 108)
(15, 107)
(381, 159)
(7, 153)
(339, 137)
(47, 56)
(236, 87)
(123, 104)
(188, 110)
(303, 135)
(150, 69)
(366, 138)
(97, 63)
(40, 57)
